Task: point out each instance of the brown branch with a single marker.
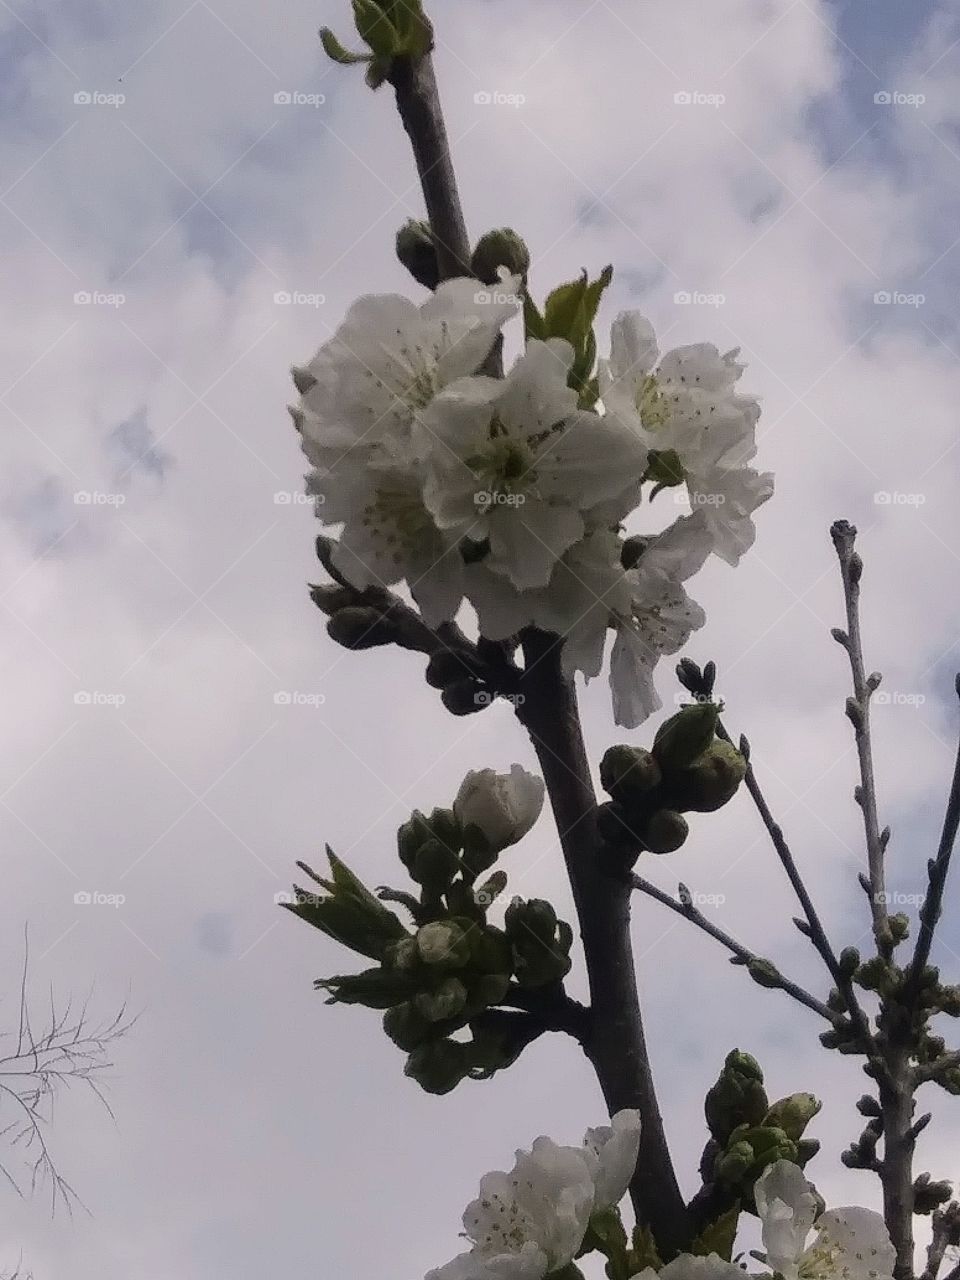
(743, 955)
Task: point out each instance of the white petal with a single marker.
(615, 1147)
(787, 1208)
(851, 1244)
(712, 1267)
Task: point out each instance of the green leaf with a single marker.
(718, 1237)
(563, 310)
(337, 52)
(593, 294)
(533, 322)
(376, 28)
(414, 28)
(377, 72)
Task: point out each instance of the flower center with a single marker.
(652, 404)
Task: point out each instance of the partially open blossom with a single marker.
(501, 806)
(531, 1222)
(848, 1244)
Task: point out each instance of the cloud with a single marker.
(262, 1122)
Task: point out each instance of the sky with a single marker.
(161, 206)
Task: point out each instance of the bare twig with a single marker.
(844, 537)
(938, 868)
(684, 906)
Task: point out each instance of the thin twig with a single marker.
(844, 537)
(938, 869)
(685, 907)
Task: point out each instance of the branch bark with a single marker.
(616, 1044)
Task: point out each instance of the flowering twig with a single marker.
(766, 973)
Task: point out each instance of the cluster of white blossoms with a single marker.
(531, 1222)
(509, 494)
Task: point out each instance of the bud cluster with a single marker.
(446, 972)
(748, 1133)
(688, 770)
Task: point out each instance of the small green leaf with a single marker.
(337, 52)
(563, 310)
(718, 1237)
(377, 72)
(374, 988)
(644, 1252)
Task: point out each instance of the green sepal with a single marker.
(338, 52)
(533, 322)
(374, 988)
(719, 1236)
(643, 1250)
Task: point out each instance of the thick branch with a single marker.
(743, 955)
(616, 1045)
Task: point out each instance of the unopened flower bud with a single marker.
(499, 808)
(434, 866)
(685, 736)
(406, 1027)
(627, 773)
(466, 697)
(665, 831)
(443, 944)
(501, 248)
(445, 667)
(331, 598)
(444, 1002)
(361, 627)
(417, 251)
(793, 1114)
(438, 1066)
(713, 778)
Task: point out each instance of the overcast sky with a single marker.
(257, 1131)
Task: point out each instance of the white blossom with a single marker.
(530, 1222)
(502, 806)
(687, 402)
(514, 463)
(688, 1266)
(848, 1244)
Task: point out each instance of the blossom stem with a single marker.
(616, 1044)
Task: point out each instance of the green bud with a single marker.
(403, 955)
(444, 668)
(628, 773)
(615, 825)
(434, 866)
(443, 944)
(535, 917)
(737, 1098)
(488, 989)
(764, 973)
(445, 827)
(807, 1148)
(793, 1114)
(734, 1163)
(685, 736)
(411, 836)
(417, 250)
(665, 831)
(438, 1066)
(406, 1027)
(713, 779)
(444, 1002)
(501, 248)
(466, 697)
(899, 924)
(361, 627)
(330, 598)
